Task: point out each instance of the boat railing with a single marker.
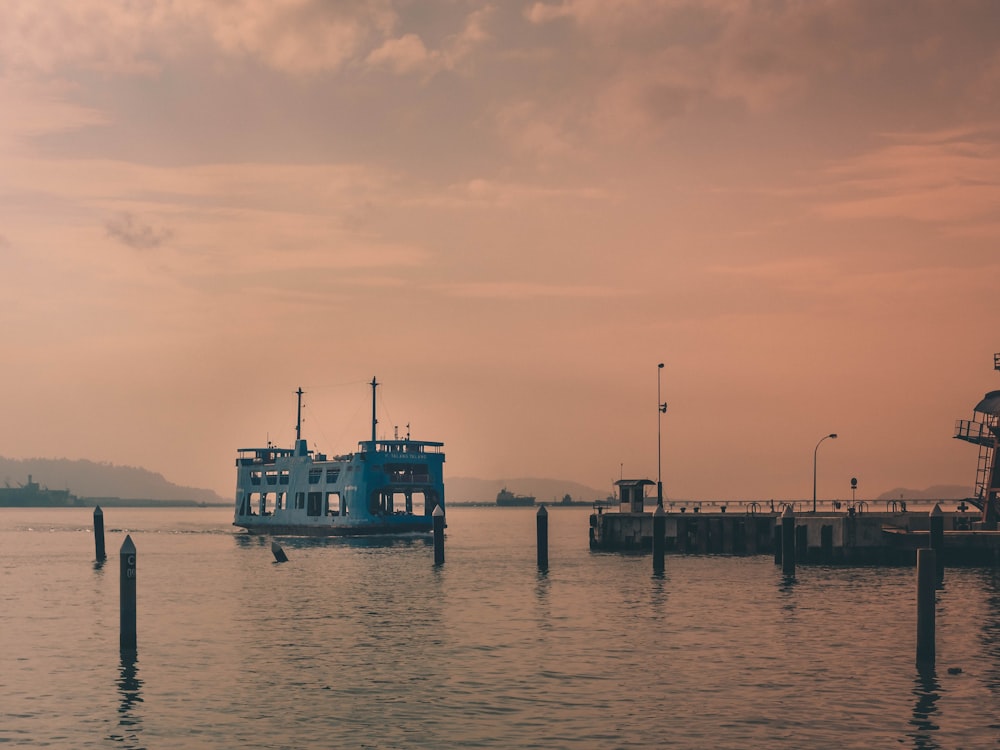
(411, 479)
(402, 447)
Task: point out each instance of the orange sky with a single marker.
(509, 213)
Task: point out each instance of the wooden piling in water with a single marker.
(127, 587)
(729, 529)
(826, 543)
(926, 586)
(801, 543)
(278, 552)
(701, 532)
(750, 534)
(937, 539)
(659, 538)
(788, 542)
(99, 551)
(542, 537)
(438, 516)
(716, 535)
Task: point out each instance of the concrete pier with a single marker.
(837, 538)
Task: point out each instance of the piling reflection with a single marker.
(130, 695)
(786, 591)
(927, 692)
(990, 635)
(543, 609)
(658, 597)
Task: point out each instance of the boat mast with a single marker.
(374, 420)
(298, 418)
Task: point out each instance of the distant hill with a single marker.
(935, 492)
(470, 490)
(99, 480)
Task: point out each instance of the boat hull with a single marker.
(410, 526)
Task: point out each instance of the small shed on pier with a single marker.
(632, 494)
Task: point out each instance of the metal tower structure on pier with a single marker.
(984, 430)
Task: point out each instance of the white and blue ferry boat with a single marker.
(385, 487)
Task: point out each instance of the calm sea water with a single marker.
(362, 644)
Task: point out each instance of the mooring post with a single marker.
(542, 535)
(937, 539)
(438, 516)
(802, 543)
(127, 637)
(926, 585)
(99, 534)
(659, 538)
(788, 541)
(278, 552)
(826, 543)
(776, 542)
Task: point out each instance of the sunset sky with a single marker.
(509, 213)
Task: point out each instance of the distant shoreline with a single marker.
(114, 502)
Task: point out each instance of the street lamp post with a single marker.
(815, 451)
(661, 408)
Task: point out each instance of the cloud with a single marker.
(293, 36)
(298, 36)
(404, 55)
(32, 108)
(538, 130)
(526, 290)
(484, 193)
(93, 34)
(946, 176)
(409, 54)
(128, 229)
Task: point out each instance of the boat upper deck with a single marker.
(391, 448)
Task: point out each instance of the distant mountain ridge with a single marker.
(90, 479)
(935, 492)
(85, 478)
(471, 490)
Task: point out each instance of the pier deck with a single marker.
(891, 537)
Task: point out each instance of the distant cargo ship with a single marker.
(33, 495)
(506, 498)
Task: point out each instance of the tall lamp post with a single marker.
(815, 451)
(661, 407)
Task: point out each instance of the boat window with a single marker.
(332, 475)
(300, 500)
(314, 475)
(254, 477)
(314, 506)
(279, 502)
(272, 477)
(333, 503)
(283, 476)
(408, 473)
